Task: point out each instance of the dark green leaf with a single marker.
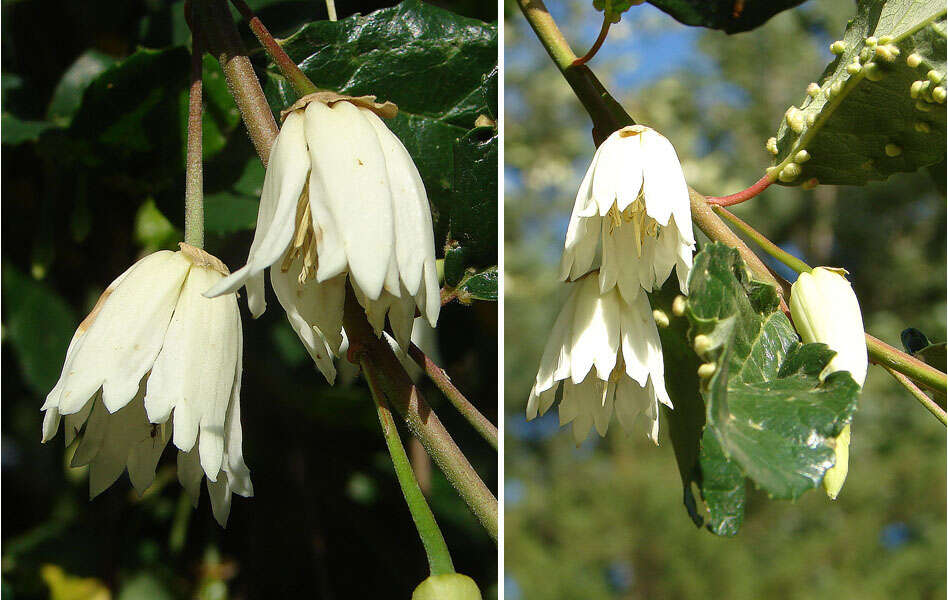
(481, 286)
(454, 262)
(764, 414)
(934, 355)
(474, 202)
(226, 212)
(235, 209)
(68, 93)
(38, 324)
(137, 109)
(870, 126)
(732, 16)
(16, 131)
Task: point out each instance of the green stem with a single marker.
(405, 397)
(473, 416)
(300, 82)
(194, 178)
(607, 116)
(439, 558)
(923, 398)
(766, 245)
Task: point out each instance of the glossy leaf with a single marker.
(481, 286)
(68, 93)
(866, 122)
(732, 16)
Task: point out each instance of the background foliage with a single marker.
(606, 520)
(93, 170)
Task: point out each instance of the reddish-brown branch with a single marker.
(473, 416)
(762, 184)
(297, 78)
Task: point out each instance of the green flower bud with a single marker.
(453, 586)
(835, 476)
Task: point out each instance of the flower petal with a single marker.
(194, 373)
(123, 341)
(190, 474)
(347, 157)
(664, 184)
(283, 184)
(317, 303)
(414, 234)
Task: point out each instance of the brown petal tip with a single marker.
(386, 110)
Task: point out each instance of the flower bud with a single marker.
(825, 309)
(453, 586)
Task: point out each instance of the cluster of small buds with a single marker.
(928, 91)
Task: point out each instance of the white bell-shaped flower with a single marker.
(618, 338)
(341, 196)
(633, 203)
(156, 361)
(825, 310)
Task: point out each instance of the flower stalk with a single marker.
(194, 181)
(479, 422)
(922, 397)
(608, 116)
(766, 245)
(439, 558)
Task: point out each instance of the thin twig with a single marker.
(742, 196)
(603, 32)
(454, 396)
(766, 245)
(921, 396)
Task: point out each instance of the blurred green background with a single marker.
(606, 520)
(86, 194)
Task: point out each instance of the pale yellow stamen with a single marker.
(304, 242)
(636, 215)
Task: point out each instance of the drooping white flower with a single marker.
(617, 337)
(156, 361)
(825, 310)
(341, 197)
(633, 206)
